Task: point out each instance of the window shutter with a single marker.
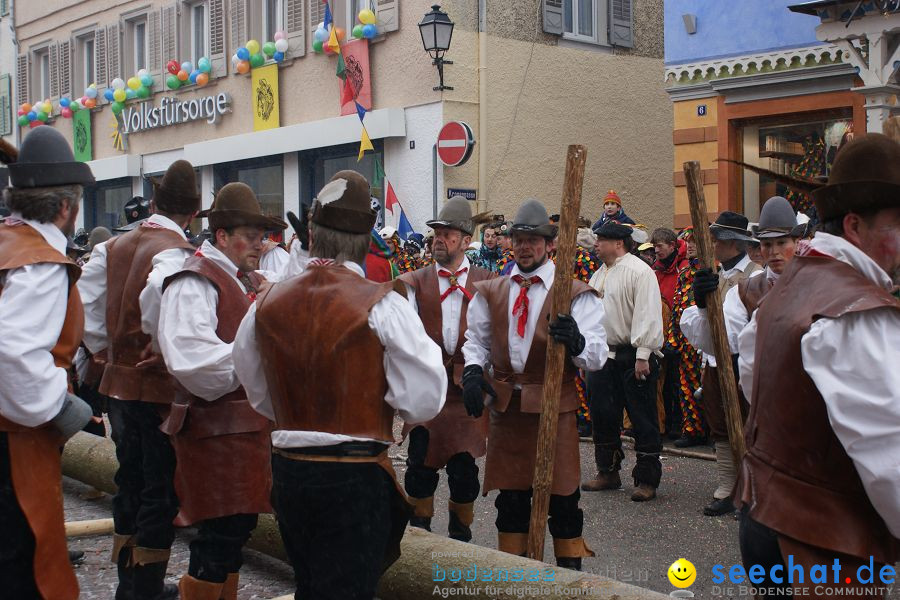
(100, 64)
(53, 51)
(114, 55)
(295, 27)
(155, 63)
(169, 34)
(4, 8)
(5, 106)
(217, 38)
(23, 65)
(65, 68)
(621, 30)
(553, 17)
(316, 16)
(238, 24)
(387, 14)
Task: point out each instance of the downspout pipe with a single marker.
(482, 108)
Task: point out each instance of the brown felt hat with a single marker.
(177, 193)
(345, 204)
(865, 177)
(236, 206)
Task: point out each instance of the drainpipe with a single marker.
(482, 107)
(434, 178)
(12, 91)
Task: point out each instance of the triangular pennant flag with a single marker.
(360, 111)
(333, 41)
(379, 173)
(328, 18)
(341, 67)
(364, 144)
(348, 94)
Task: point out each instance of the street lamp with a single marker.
(437, 29)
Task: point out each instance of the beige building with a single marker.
(529, 78)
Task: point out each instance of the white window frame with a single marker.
(38, 91)
(129, 43)
(265, 17)
(191, 37)
(600, 25)
(85, 61)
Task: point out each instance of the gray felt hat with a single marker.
(777, 219)
(532, 218)
(456, 214)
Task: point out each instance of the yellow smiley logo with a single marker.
(682, 573)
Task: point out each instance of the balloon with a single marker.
(47, 107)
(118, 84)
(20, 112)
(75, 106)
(370, 31)
(317, 46)
(243, 54)
(202, 79)
(357, 31)
(134, 83)
(204, 65)
(91, 92)
(187, 66)
(193, 76)
(142, 72)
(269, 49)
(257, 60)
(182, 75)
(327, 49)
(172, 82)
(243, 67)
(119, 95)
(26, 107)
(34, 124)
(282, 46)
(321, 35)
(23, 120)
(117, 107)
(146, 80)
(279, 35)
(252, 46)
(64, 102)
(143, 92)
(340, 34)
(90, 103)
(173, 67)
(235, 60)
(367, 17)
(130, 94)
(278, 57)
(66, 113)
(42, 117)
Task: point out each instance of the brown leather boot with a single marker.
(197, 589)
(461, 518)
(230, 589)
(643, 493)
(605, 480)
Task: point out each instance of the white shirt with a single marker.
(853, 360)
(32, 312)
(193, 353)
(587, 310)
(166, 263)
(451, 307)
(633, 304)
(413, 365)
(274, 260)
(298, 259)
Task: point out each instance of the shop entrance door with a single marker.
(317, 167)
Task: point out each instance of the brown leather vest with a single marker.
(323, 363)
(428, 299)
(531, 380)
(128, 264)
(796, 476)
(752, 290)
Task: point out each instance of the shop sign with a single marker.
(172, 111)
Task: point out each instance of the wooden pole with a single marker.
(714, 313)
(560, 302)
(93, 527)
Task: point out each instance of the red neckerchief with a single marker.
(520, 308)
(454, 283)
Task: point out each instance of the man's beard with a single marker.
(538, 263)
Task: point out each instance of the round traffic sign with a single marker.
(455, 143)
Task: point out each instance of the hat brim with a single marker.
(31, 175)
(721, 232)
(645, 246)
(226, 219)
(838, 199)
(773, 233)
(547, 230)
(451, 224)
(131, 226)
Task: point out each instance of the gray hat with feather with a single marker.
(456, 214)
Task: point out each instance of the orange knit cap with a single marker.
(612, 196)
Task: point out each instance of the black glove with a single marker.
(565, 331)
(705, 281)
(474, 389)
(301, 228)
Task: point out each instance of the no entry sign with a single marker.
(455, 143)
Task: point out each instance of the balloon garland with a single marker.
(186, 73)
(253, 54)
(34, 114)
(365, 28)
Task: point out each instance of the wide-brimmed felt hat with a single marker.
(532, 218)
(613, 231)
(236, 205)
(777, 219)
(731, 226)
(865, 177)
(455, 214)
(344, 204)
(176, 192)
(46, 160)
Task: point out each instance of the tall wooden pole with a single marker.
(560, 302)
(714, 313)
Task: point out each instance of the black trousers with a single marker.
(17, 547)
(565, 519)
(671, 396)
(145, 503)
(217, 549)
(335, 521)
(759, 546)
(610, 390)
(421, 481)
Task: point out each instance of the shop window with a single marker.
(104, 203)
(585, 20)
(317, 167)
(264, 175)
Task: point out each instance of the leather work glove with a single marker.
(75, 414)
(565, 331)
(705, 281)
(474, 389)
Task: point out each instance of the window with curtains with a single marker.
(583, 19)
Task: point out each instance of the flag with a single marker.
(328, 18)
(378, 178)
(394, 214)
(341, 67)
(360, 111)
(333, 41)
(348, 94)
(364, 144)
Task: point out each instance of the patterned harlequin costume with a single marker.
(813, 164)
(692, 424)
(406, 262)
(426, 261)
(505, 258)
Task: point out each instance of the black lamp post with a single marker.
(437, 30)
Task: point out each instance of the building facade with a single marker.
(528, 78)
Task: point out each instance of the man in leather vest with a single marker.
(137, 384)
(819, 362)
(329, 356)
(441, 294)
(730, 239)
(42, 320)
(222, 477)
(508, 329)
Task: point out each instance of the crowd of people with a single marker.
(242, 377)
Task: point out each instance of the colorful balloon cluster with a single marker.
(366, 28)
(34, 114)
(252, 54)
(186, 73)
(137, 86)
